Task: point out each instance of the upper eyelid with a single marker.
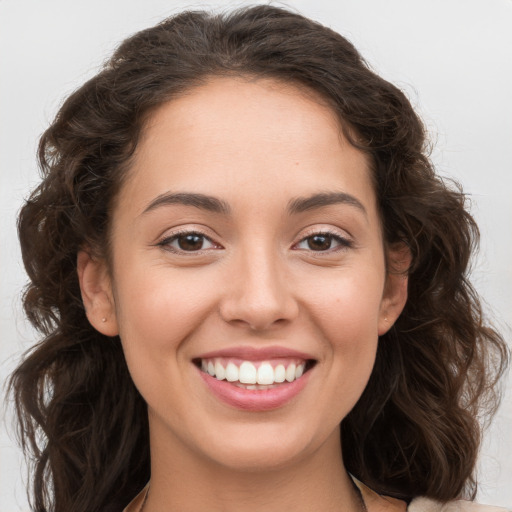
(193, 232)
(308, 232)
(345, 241)
(194, 228)
(311, 231)
(165, 241)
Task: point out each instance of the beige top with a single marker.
(385, 504)
(428, 505)
(376, 503)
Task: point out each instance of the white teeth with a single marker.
(247, 373)
(265, 374)
(279, 373)
(220, 373)
(290, 373)
(231, 372)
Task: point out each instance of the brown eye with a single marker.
(323, 242)
(187, 242)
(190, 242)
(319, 242)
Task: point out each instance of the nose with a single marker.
(258, 295)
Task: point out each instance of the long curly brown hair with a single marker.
(416, 428)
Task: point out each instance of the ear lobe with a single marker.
(395, 289)
(96, 289)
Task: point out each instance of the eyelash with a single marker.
(167, 241)
(343, 242)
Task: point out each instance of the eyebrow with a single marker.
(303, 204)
(202, 201)
(215, 205)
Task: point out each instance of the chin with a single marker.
(263, 447)
(256, 458)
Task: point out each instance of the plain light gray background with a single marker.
(452, 57)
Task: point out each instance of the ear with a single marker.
(395, 289)
(96, 288)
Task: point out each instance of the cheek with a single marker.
(347, 302)
(346, 311)
(158, 311)
(351, 332)
(158, 308)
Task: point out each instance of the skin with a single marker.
(255, 145)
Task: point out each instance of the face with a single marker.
(248, 281)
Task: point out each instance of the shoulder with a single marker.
(429, 505)
(378, 503)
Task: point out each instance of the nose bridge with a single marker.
(259, 296)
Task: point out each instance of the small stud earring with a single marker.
(103, 319)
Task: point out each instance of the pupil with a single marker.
(190, 242)
(319, 242)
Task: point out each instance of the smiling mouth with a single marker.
(255, 375)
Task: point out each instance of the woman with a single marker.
(251, 284)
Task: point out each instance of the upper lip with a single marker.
(256, 353)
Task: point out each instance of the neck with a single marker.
(183, 481)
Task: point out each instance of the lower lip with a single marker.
(255, 399)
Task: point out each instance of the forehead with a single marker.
(234, 132)
(263, 110)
